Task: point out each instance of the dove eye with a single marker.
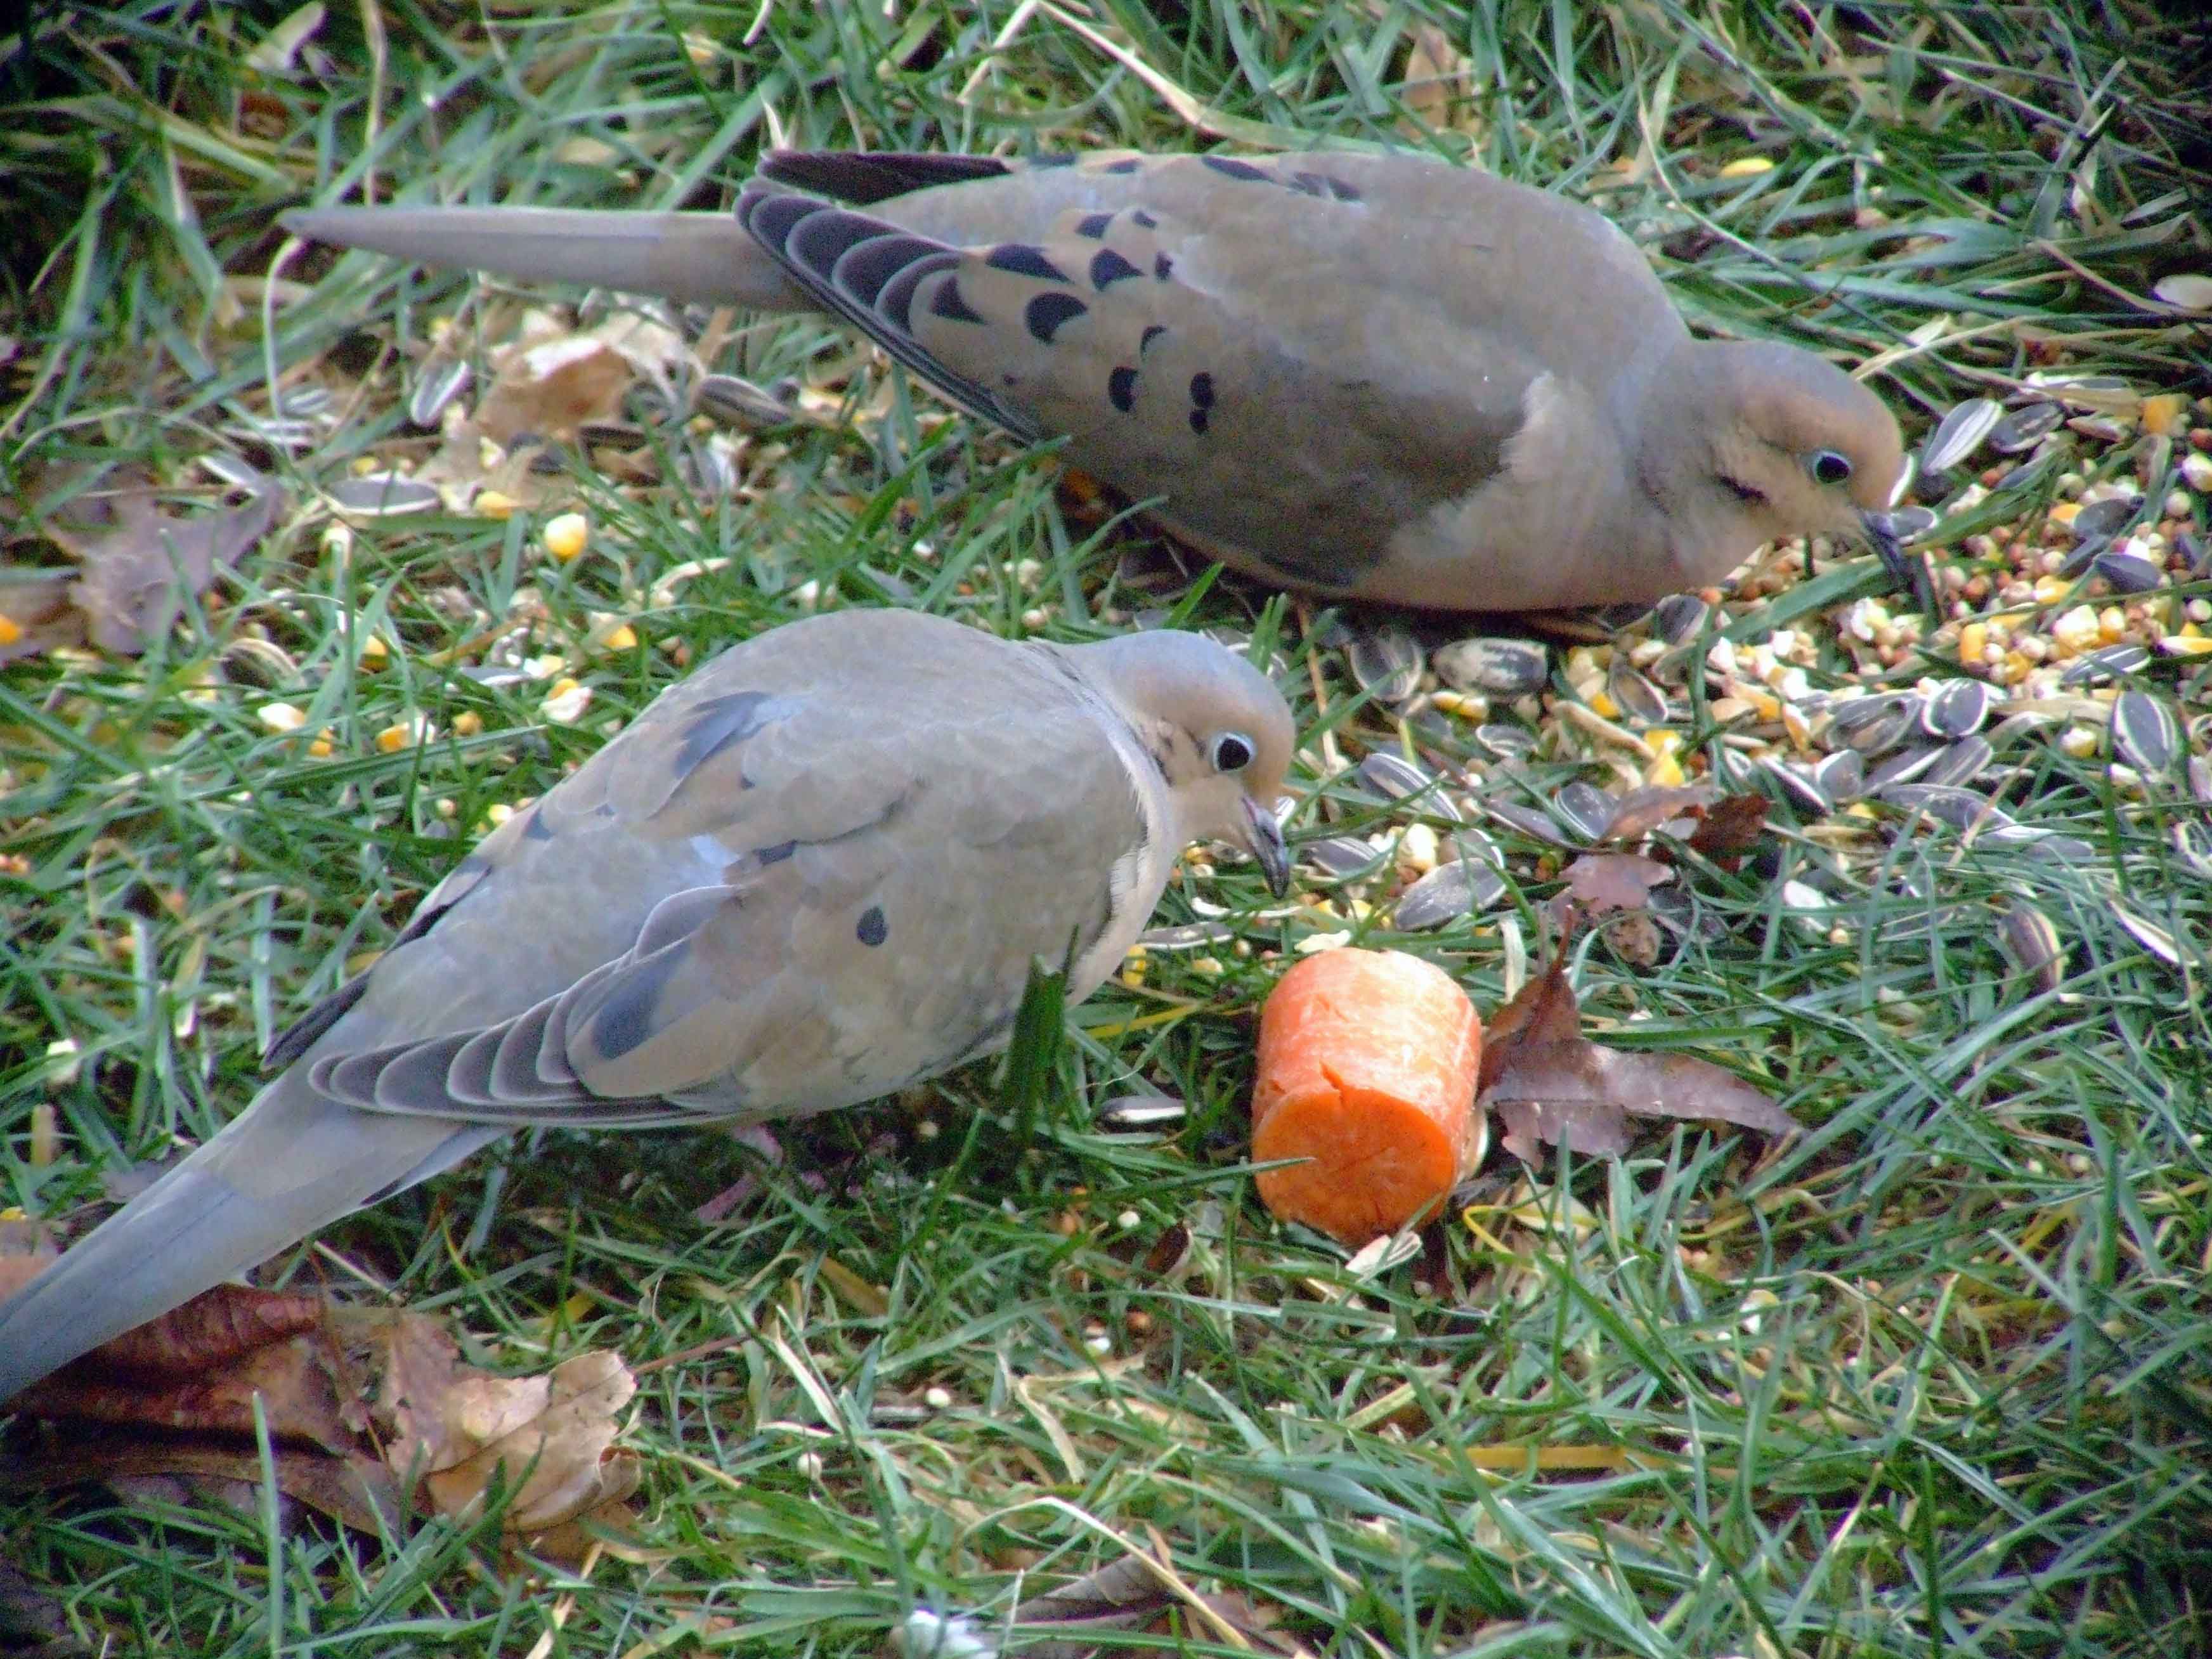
(1829, 467)
(1232, 752)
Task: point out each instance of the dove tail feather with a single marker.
(288, 1164)
(699, 257)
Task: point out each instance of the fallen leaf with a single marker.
(136, 567)
(1550, 1085)
(1732, 827)
(1137, 1593)
(1598, 883)
(1438, 84)
(1642, 811)
(177, 1397)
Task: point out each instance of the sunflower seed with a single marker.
(2049, 847)
(1584, 808)
(1962, 809)
(1957, 708)
(443, 380)
(1188, 936)
(2152, 937)
(737, 401)
(1387, 661)
(284, 435)
(1128, 1113)
(231, 470)
(2130, 573)
(2076, 564)
(2024, 427)
(383, 494)
(1799, 786)
(1340, 856)
(2193, 841)
(1505, 668)
(1393, 776)
(1960, 763)
(303, 402)
(2031, 945)
(2106, 518)
(1875, 724)
(2185, 290)
(2144, 732)
(1506, 742)
(1842, 776)
(2109, 664)
(1959, 434)
(1902, 766)
(1447, 892)
(1680, 618)
(1904, 525)
(1530, 822)
(1634, 695)
(2196, 555)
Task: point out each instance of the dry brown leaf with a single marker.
(1732, 827)
(552, 387)
(1600, 882)
(1642, 811)
(1551, 1085)
(137, 566)
(177, 1397)
(1131, 1594)
(1438, 84)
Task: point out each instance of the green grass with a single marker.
(1936, 1378)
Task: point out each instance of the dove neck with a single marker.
(1685, 406)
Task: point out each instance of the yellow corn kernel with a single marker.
(566, 535)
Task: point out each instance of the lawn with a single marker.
(1934, 1377)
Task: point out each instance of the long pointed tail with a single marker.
(288, 1164)
(694, 256)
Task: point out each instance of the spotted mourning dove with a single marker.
(815, 871)
(1372, 376)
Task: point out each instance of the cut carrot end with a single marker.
(1367, 1068)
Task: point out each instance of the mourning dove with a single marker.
(1366, 376)
(817, 871)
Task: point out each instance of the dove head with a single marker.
(1773, 443)
(1220, 731)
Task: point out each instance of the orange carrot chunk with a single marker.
(1368, 1062)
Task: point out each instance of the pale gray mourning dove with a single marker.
(815, 871)
(1369, 376)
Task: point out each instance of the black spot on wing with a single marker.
(873, 930)
(1121, 389)
(1126, 165)
(777, 853)
(1139, 216)
(1342, 191)
(1163, 268)
(1055, 161)
(1044, 315)
(1025, 259)
(1152, 332)
(535, 827)
(1230, 167)
(1107, 267)
(1202, 401)
(895, 302)
(299, 1035)
(623, 1021)
(719, 722)
(951, 306)
(1093, 225)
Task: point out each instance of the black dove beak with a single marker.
(1907, 574)
(1267, 846)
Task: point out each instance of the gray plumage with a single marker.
(817, 870)
(1374, 376)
